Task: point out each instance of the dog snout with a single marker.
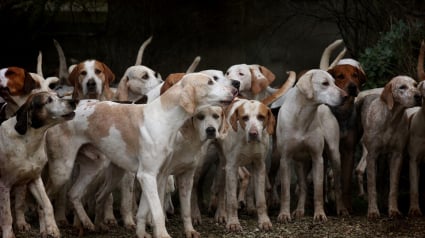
(210, 132)
(352, 90)
(236, 84)
(91, 85)
(253, 136)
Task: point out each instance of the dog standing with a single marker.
(303, 128)
(22, 155)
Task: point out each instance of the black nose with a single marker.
(236, 84)
(418, 99)
(210, 132)
(91, 85)
(352, 90)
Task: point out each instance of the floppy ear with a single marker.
(73, 75)
(234, 120)
(187, 99)
(122, 89)
(22, 116)
(260, 79)
(170, 81)
(222, 131)
(305, 86)
(387, 95)
(186, 128)
(362, 76)
(270, 122)
(110, 77)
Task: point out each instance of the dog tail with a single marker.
(289, 83)
(141, 50)
(324, 61)
(63, 68)
(338, 58)
(420, 67)
(40, 64)
(194, 65)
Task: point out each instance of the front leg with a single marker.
(285, 190)
(185, 185)
(395, 168)
(231, 200)
(20, 205)
(48, 227)
(300, 168)
(6, 219)
(373, 211)
(318, 174)
(414, 174)
(260, 197)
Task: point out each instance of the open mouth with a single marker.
(69, 116)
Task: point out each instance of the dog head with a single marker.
(249, 78)
(401, 91)
(319, 86)
(199, 90)
(91, 80)
(43, 110)
(217, 75)
(349, 76)
(209, 122)
(138, 80)
(253, 116)
(17, 81)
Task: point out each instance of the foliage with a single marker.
(395, 53)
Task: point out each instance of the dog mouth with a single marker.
(69, 116)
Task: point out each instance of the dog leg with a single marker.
(231, 200)
(414, 174)
(219, 188)
(48, 227)
(109, 218)
(285, 190)
(373, 211)
(142, 214)
(194, 203)
(264, 222)
(336, 169)
(20, 195)
(395, 168)
(60, 206)
(126, 208)
(318, 174)
(360, 170)
(6, 219)
(302, 192)
(185, 184)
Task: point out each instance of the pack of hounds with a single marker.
(72, 141)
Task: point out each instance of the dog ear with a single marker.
(362, 76)
(22, 116)
(270, 122)
(387, 95)
(234, 120)
(73, 74)
(187, 99)
(261, 77)
(122, 90)
(305, 85)
(110, 77)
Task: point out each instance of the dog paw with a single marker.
(234, 227)
(111, 221)
(394, 213)
(343, 212)
(320, 217)
(51, 232)
(415, 212)
(220, 217)
(62, 223)
(23, 226)
(192, 234)
(373, 214)
(298, 214)
(265, 226)
(284, 217)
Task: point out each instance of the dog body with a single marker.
(303, 128)
(145, 152)
(349, 76)
(23, 156)
(246, 143)
(385, 127)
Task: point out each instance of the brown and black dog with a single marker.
(350, 77)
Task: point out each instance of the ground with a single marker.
(354, 226)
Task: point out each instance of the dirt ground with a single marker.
(354, 226)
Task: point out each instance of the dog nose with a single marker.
(210, 132)
(352, 90)
(418, 99)
(91, 85)
(236, 84)
(253, 136)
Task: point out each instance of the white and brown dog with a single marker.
(246, 144)
(101, 124)
(303, 129)
(22, 155)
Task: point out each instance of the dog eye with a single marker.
(97, 71)
(340, 76)
(49, 100)
(215, 78)
(215, 116)
(355, 75)
(261, 117)
(145, 76)
(200, 117)
(403, 87)
(245, 118)
(210, 82)
(84, 73)
(325, 83)
(241, 74)
(227, 73)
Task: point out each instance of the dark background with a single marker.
(281, 35)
